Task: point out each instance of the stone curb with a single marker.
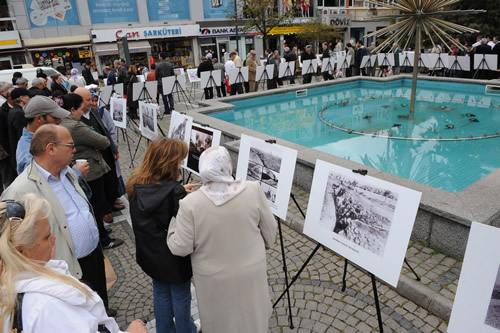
(407, 287)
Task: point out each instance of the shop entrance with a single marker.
(222, 48)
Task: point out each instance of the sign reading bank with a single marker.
(111, 35)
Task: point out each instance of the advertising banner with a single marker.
(162, 10)
(218, 8)
(112, 11)
(53, 13)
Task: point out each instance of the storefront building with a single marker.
(222, 40)
(11, 48)
(178, 42)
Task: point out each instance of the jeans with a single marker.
(168, 103)
(173, 300)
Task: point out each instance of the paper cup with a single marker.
(81, 161)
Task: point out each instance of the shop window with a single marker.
(179, 52)
(18, 59)
(5, 64)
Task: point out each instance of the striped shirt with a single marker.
(81, 222)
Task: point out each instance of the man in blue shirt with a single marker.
(39, 111)
(110, 75)
(71, 220)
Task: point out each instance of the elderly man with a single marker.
(307, 55)
(39, 111)
(122, 72)
(4, 90)
(37, 86)
(206, 66)
(22, 82)
(164, 69)
(72, 222)
(101, 200)
(252, 71)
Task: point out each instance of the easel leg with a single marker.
(377, 304)
(344, 284)
(412, 270)
(126, 139)
(286, 273)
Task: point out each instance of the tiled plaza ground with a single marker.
(318, 304)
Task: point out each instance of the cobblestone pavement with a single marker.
(318, 304)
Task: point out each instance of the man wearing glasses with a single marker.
(72, 220)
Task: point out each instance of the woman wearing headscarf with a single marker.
(226, 227)
(75, 79)
(154, 195)
(38, 293)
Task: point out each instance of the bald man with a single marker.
(105, 188)
(48, 176)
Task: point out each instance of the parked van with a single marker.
(28, 73)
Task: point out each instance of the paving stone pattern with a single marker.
(318, 304)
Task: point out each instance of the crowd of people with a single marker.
(61, 181)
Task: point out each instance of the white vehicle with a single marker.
(28, 73)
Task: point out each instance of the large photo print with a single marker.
(364, 219)
(272, 166)
(180, 128)
(201, 138)
(358, 212)
(476, 307)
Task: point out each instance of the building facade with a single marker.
(65, 33)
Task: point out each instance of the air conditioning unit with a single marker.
(333, 12)
(343, 12)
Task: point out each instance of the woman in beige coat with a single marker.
(226, 227)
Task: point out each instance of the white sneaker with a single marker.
(197, 323)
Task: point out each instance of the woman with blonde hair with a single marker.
(154, 195)
(38, 293)
(226, 227)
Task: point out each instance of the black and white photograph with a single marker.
(362, 218)
(358, 212)
(118, 110)
(201, 138)
(493, 314)
(147, 120)
(180, 128)
(272, 166)
(476, 307)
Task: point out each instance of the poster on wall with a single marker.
(477, 302)
(201, 138)
(180, 128)
(272, 166)
(161, 10)
(148, 120)
(364, 219)
(111, 11)
(53, 13)
(218, 8)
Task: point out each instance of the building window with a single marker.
(5, 20)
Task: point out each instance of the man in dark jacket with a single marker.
(484, 48)
(122, 72)
(326, 55)
(290, 57)
(307, 55)
(87, 74)
(16, 120)
(206, 66)
(164, 69)
(7, 170)
(361, 51)
(37, 86)
(110, 75)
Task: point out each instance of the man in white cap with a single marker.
(40, 110)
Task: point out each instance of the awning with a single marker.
(112, 48)
(68, 41)
(283, 30)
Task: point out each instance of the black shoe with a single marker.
(108, 230)
(113, 242)
(111, 312)
(167, 113)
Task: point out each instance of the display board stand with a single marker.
(439, 64)
(344, 277)
(288, 71)
(211, 83)
(125, 135)
(264, 78)
(385, 62)
(310, 70)
(329, 68)
(455, 66)
(483, 65)
(179, 90)
(144, 96)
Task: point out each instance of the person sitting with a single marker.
(37, 288)
(226, 227)
(154, 194)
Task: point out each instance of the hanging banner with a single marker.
(218, 8)
(112, 11)
(162, 10)
(52, 13)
